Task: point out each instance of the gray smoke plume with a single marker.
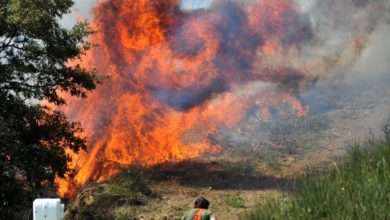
(341, 44)
(350, 53)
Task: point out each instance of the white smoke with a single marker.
(82, 10)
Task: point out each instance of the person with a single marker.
(200, 211)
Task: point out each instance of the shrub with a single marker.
(114, 199)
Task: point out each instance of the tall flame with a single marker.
(175, 78)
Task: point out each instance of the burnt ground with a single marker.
(231, 187)
(265, 160)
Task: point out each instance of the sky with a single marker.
(195, 4)
(81, 9)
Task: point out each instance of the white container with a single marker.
(48, 209)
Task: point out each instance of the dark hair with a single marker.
(202, 203)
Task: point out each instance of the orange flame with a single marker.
(174, 79)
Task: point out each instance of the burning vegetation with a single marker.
(176, 77)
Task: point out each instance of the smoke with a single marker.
(351, 42)
(237, 48)
(349, 101)
(343, 30)
(81, 10)
(184, 82)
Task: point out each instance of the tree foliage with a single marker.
(35, 51)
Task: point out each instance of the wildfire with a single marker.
(175, 78)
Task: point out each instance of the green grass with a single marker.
(357, 188)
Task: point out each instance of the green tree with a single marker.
(34, 54)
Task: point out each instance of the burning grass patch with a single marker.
(115, 199)
(358, 188)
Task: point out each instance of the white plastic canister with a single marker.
(48, 209)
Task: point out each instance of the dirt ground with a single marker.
(230, 193)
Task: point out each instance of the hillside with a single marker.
(357, 188)
(271, 157)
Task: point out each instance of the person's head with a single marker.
(202, 203)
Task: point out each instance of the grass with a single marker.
(357, 188)
(235, 201)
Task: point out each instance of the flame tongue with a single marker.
(175, 78)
